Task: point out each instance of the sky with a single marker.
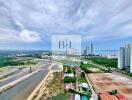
(30, 24)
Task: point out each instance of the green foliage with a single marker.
(65, 65)
(61, 97)
(86, 93)
(85, 67)
(113, 92)
(83, 74)
(69, 79)
(10, 61)
(127, 73)
(82, 79)
(106, 62)
(69, 71)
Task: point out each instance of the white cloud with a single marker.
(95, 19)
(29, 36)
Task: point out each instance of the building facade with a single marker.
(125, 57)
(89, 50)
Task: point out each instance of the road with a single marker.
(9, 72)
(22, 90)
(55, 67)
(22, 72)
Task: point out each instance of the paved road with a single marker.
(9, 72)
(22, 90)
(23, 72)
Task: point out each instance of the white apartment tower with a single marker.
(125, 57)
(91, 47)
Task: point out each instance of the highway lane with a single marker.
(24, 72)
(22, 90)
(10, 72)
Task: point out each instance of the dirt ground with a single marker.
(52, 87)
(103, 82)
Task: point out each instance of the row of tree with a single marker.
(105, 61)
(10, 61)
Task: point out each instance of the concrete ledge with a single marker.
(12, 84)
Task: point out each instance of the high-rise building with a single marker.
(91, 48)
(86, 51)
(125, 57)
(121, 57)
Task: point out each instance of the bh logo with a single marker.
(65, 44)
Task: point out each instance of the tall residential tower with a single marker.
(89, 50)
(125, 57)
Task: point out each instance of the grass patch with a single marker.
(86, 67)
(105, 61)
(69, 79)
(61, 97)
(12, 61)
(82, 79)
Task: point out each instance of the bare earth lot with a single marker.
(103, 82)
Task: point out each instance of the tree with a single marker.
(69, 79)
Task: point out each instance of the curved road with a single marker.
(22, 90)
(22, 72)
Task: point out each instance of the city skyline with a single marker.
(30, 24)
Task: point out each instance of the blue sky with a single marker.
(29, 24)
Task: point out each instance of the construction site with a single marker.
(104, 83)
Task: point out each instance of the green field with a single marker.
(88, 68)
(105, 61)
(70, 63)
(11, 61)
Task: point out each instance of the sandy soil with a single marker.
(103, 82)
(52, 87)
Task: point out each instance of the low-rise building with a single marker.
(68, 75)
(78, 70)
(84, 85)
(70, 86)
